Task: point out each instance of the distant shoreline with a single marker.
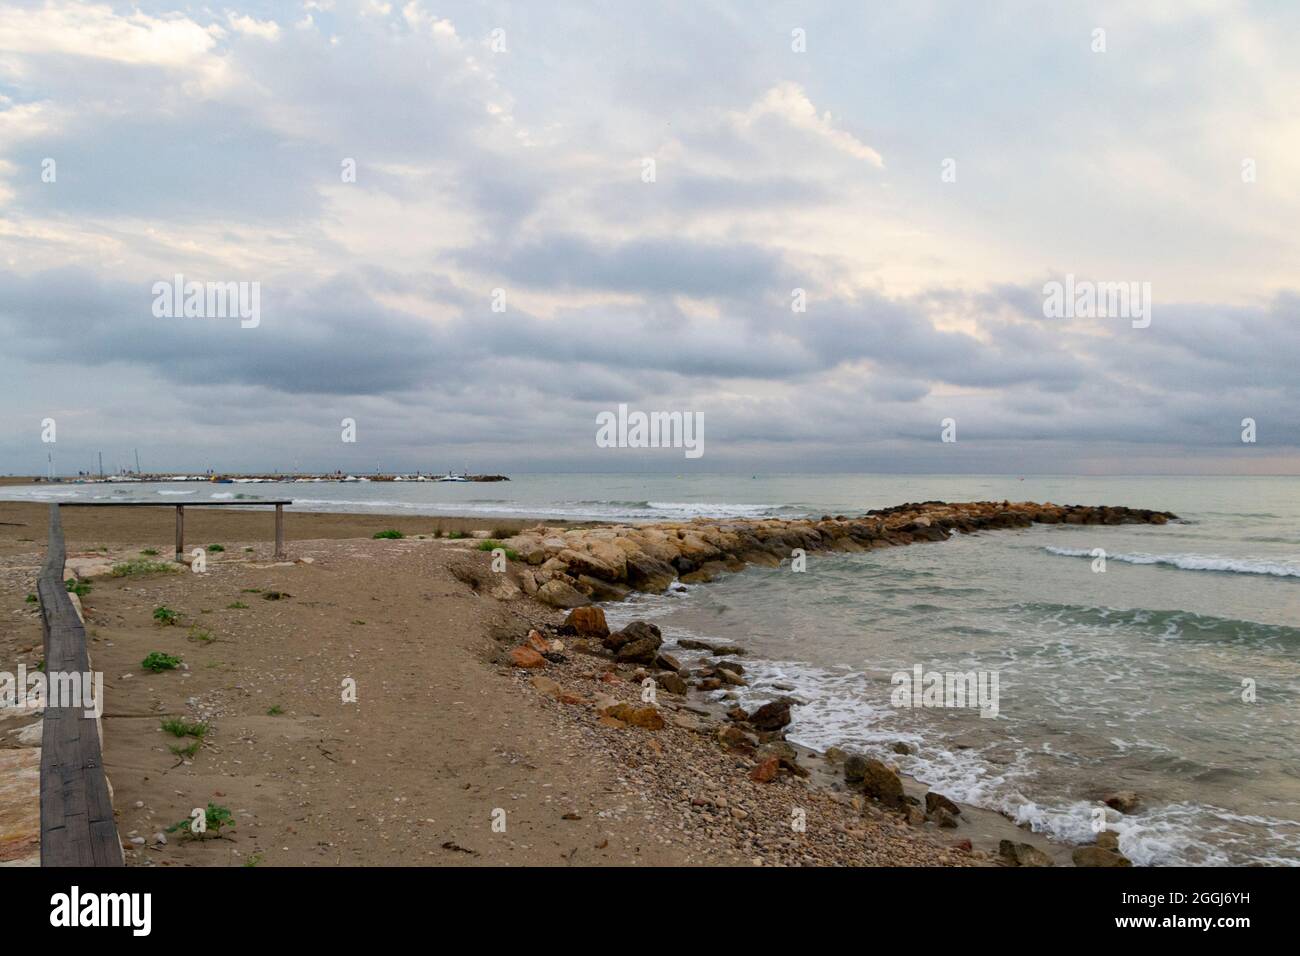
(251, 478)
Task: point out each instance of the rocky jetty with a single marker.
(568, 569)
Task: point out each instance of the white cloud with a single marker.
(266, 29)
(789, 104)
(93, 30)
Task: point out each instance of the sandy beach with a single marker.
(449, 754)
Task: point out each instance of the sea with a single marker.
(1164, 660)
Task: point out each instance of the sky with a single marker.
(561, 208)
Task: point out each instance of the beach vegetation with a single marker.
(488, 544)
(32, 599)
(179, 727)
(237, 606)
(215, 817)
(200, 634)
(150, 552)
(156, 662)
(125, 569)
(390, 533)
(216, 548)
(275, 711)
(79, 588)
(188, 751)
(456, 535)
(165, 616)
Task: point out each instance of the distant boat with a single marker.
(450, 477)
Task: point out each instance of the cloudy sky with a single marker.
(504, 146)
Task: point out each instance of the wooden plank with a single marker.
(77, 825)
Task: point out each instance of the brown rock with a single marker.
(586, 622)
(526, 657)
(1022, 854)
(672, 683)
(882, 783)
(943, 818)
(766, 771)
(937, 801)
(668, 662)
(1098, 856)
(647, 718)
(771, 716)
(1125, 801)
(635, 631)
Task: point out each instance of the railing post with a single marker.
(279, 531)
(180, 533)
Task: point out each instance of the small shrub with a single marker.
(275, 711)
(189, 750)
(165, 616)
(214, 818)
(237, 606)
(275, 595)
(157, 662)
(390, 533)
(250, 591)
(150, 552)
(200, 634)
(79, 588)
(457, 534)
(215, 548)
(179, 727)
(32, 599)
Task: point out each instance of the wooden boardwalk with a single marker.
(77, 825)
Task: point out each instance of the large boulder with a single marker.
(560, 594)
(586, 622)
(638, 643)
(882, 783)
(602, 560)
(648, 573)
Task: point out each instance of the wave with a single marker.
(1185, 624)
(1194, 562)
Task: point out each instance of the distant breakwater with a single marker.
(585, 565)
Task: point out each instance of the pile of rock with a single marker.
(569, 569)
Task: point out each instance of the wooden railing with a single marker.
(77, 826)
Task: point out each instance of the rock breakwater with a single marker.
(584, 565)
